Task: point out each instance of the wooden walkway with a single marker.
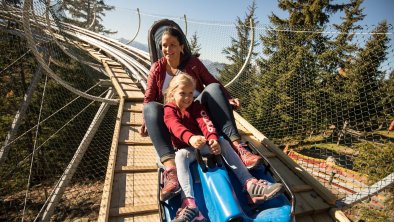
(130, 188)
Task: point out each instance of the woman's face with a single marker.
(171, 47)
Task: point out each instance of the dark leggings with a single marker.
(218, 107)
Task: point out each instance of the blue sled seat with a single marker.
(226, 201)
(220, 198)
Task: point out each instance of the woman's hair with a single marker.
(172, 31)
(178, 34)
(180, 79)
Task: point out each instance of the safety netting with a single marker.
(44, 125)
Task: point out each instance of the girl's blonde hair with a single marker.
(180, 79)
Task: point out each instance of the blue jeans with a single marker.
(184, 157)
(218, 108)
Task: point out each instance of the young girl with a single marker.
(191, 128)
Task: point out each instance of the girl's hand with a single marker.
(214, 146)
(197, 141)
(142, 130)
(234, 103)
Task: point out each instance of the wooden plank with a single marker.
(289, 176)
(315, 201)
(133, 107)
(118, 75)
(145, 156)
(301, 188)
(134, 189)
(128, 88)
(114, 81)
(136, 156)
(119, 70)
(133, 143)
(145, 188)
(132, 86)
(122, 183)
(137, 218)
(132, 118)
(135, 169)
(131, 134)
(136, 96)
(305, 218)
(108, 182)
(322, 218)
(113, 63)
(302, 207)
(134, 210)
(145, 218)
(124, 80)
(133, 110)
(130, 124)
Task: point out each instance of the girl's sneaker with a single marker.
(262, 190)
(189, 214)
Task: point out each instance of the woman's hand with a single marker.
(142, 130)
(214, 146)
(234, 102)
(197, 141)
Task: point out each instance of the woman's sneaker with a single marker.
(249, 159)
(262, 190)
(189, 214)
(171, 186)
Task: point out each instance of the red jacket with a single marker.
(194, 67)
(182, 126)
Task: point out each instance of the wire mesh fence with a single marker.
(325, 97)
(41, 139)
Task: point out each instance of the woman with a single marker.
(213, 96)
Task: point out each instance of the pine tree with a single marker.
(13, 2)
(335, 64)
(237, 55)
(365, 82)
(194, 46)
(387, 100)
(286, 102)
(87, 14)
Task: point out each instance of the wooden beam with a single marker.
(134, 143)
(133, 110)
(301, 188)
(131, 124)
(134, 210)
(135, 169)
(114, 81)
(108, 182)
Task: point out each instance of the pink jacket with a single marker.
(194, 67)
(182, 126)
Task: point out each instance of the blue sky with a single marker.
(124, 18)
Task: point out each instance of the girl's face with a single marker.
(171, 47)
(183, 96)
